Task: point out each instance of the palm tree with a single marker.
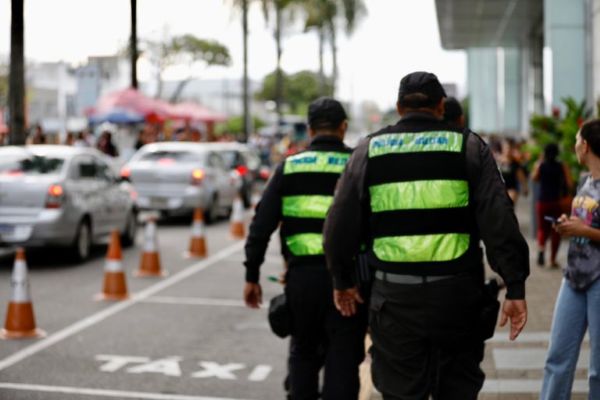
(321, 15)
(133, 49)
(247, 120)
(16, 90)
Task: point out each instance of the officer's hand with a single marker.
(516, 311)
(345, 301)
(253, 295)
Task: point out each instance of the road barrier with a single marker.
(20, 321)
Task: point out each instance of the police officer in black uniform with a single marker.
(426, 192)
(298, 196)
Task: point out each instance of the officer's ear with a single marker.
(311, 132)
(342, 129)
(440, 108)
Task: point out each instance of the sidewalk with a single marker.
(514, 369)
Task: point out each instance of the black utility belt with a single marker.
(411, 279)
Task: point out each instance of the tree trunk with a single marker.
(334, 72)
(279, 77)
(133, 49)
(16, 89)
(322, 82)
(245, 94)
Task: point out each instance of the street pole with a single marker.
(247, 120)
(133, 50)
(16, 86)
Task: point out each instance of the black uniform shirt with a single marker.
(268, 211)
(497, 225)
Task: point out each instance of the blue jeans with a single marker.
(575, 311)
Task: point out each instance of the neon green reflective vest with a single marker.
(419, 199)
(309, 180)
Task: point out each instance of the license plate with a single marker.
(158, 202)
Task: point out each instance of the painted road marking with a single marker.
(170, 366)
(525, 386)
(260, 373)
(116, 308)
(212, 369)
(196, 301)
(528, 358)
(119, 394)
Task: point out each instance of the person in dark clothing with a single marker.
(453, 113)
(106, 145)
(554, 182)
(298, 196)
(425, 193)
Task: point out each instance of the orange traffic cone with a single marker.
(115, 286)
(238, 230)
(197, 242)
(150, 260)
(20, 322)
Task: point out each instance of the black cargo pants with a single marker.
(322, 337)
(425, 340)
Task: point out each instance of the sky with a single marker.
(394, 38)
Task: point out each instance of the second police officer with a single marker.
(298, 196)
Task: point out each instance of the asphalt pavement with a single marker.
(183, 336)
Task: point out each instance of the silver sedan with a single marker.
(176, 177)
(62, 196)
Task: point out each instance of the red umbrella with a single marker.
(134, 101)
(194, 112)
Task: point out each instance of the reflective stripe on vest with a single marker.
(421, 248)
(305, 244)
(309, 206)
(419, 195)
(316, 161)
(390, 143)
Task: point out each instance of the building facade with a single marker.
(524, 56)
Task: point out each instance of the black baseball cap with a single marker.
(326, 112)
(424, 83)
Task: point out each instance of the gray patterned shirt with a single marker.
(583, 266)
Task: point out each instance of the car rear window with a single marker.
(22, 164)
(229, 157)
(169, 156)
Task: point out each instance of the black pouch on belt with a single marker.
(280, 318)
(489, 310)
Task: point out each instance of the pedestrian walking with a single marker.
(453, 113)
(578, 302)
(554, 183)
(106, 145)
(513, 173)
(424, 194)
(298, 196)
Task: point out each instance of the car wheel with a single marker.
(83, 241)
(130, 232)
(212, 211)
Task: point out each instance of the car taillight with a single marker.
(197, 176)
(242, 170)
(125, 173)
(264, 173)
(56, 195)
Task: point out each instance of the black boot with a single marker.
(540, 260)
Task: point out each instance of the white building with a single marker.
(523, 56)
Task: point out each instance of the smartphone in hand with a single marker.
(550, 219)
